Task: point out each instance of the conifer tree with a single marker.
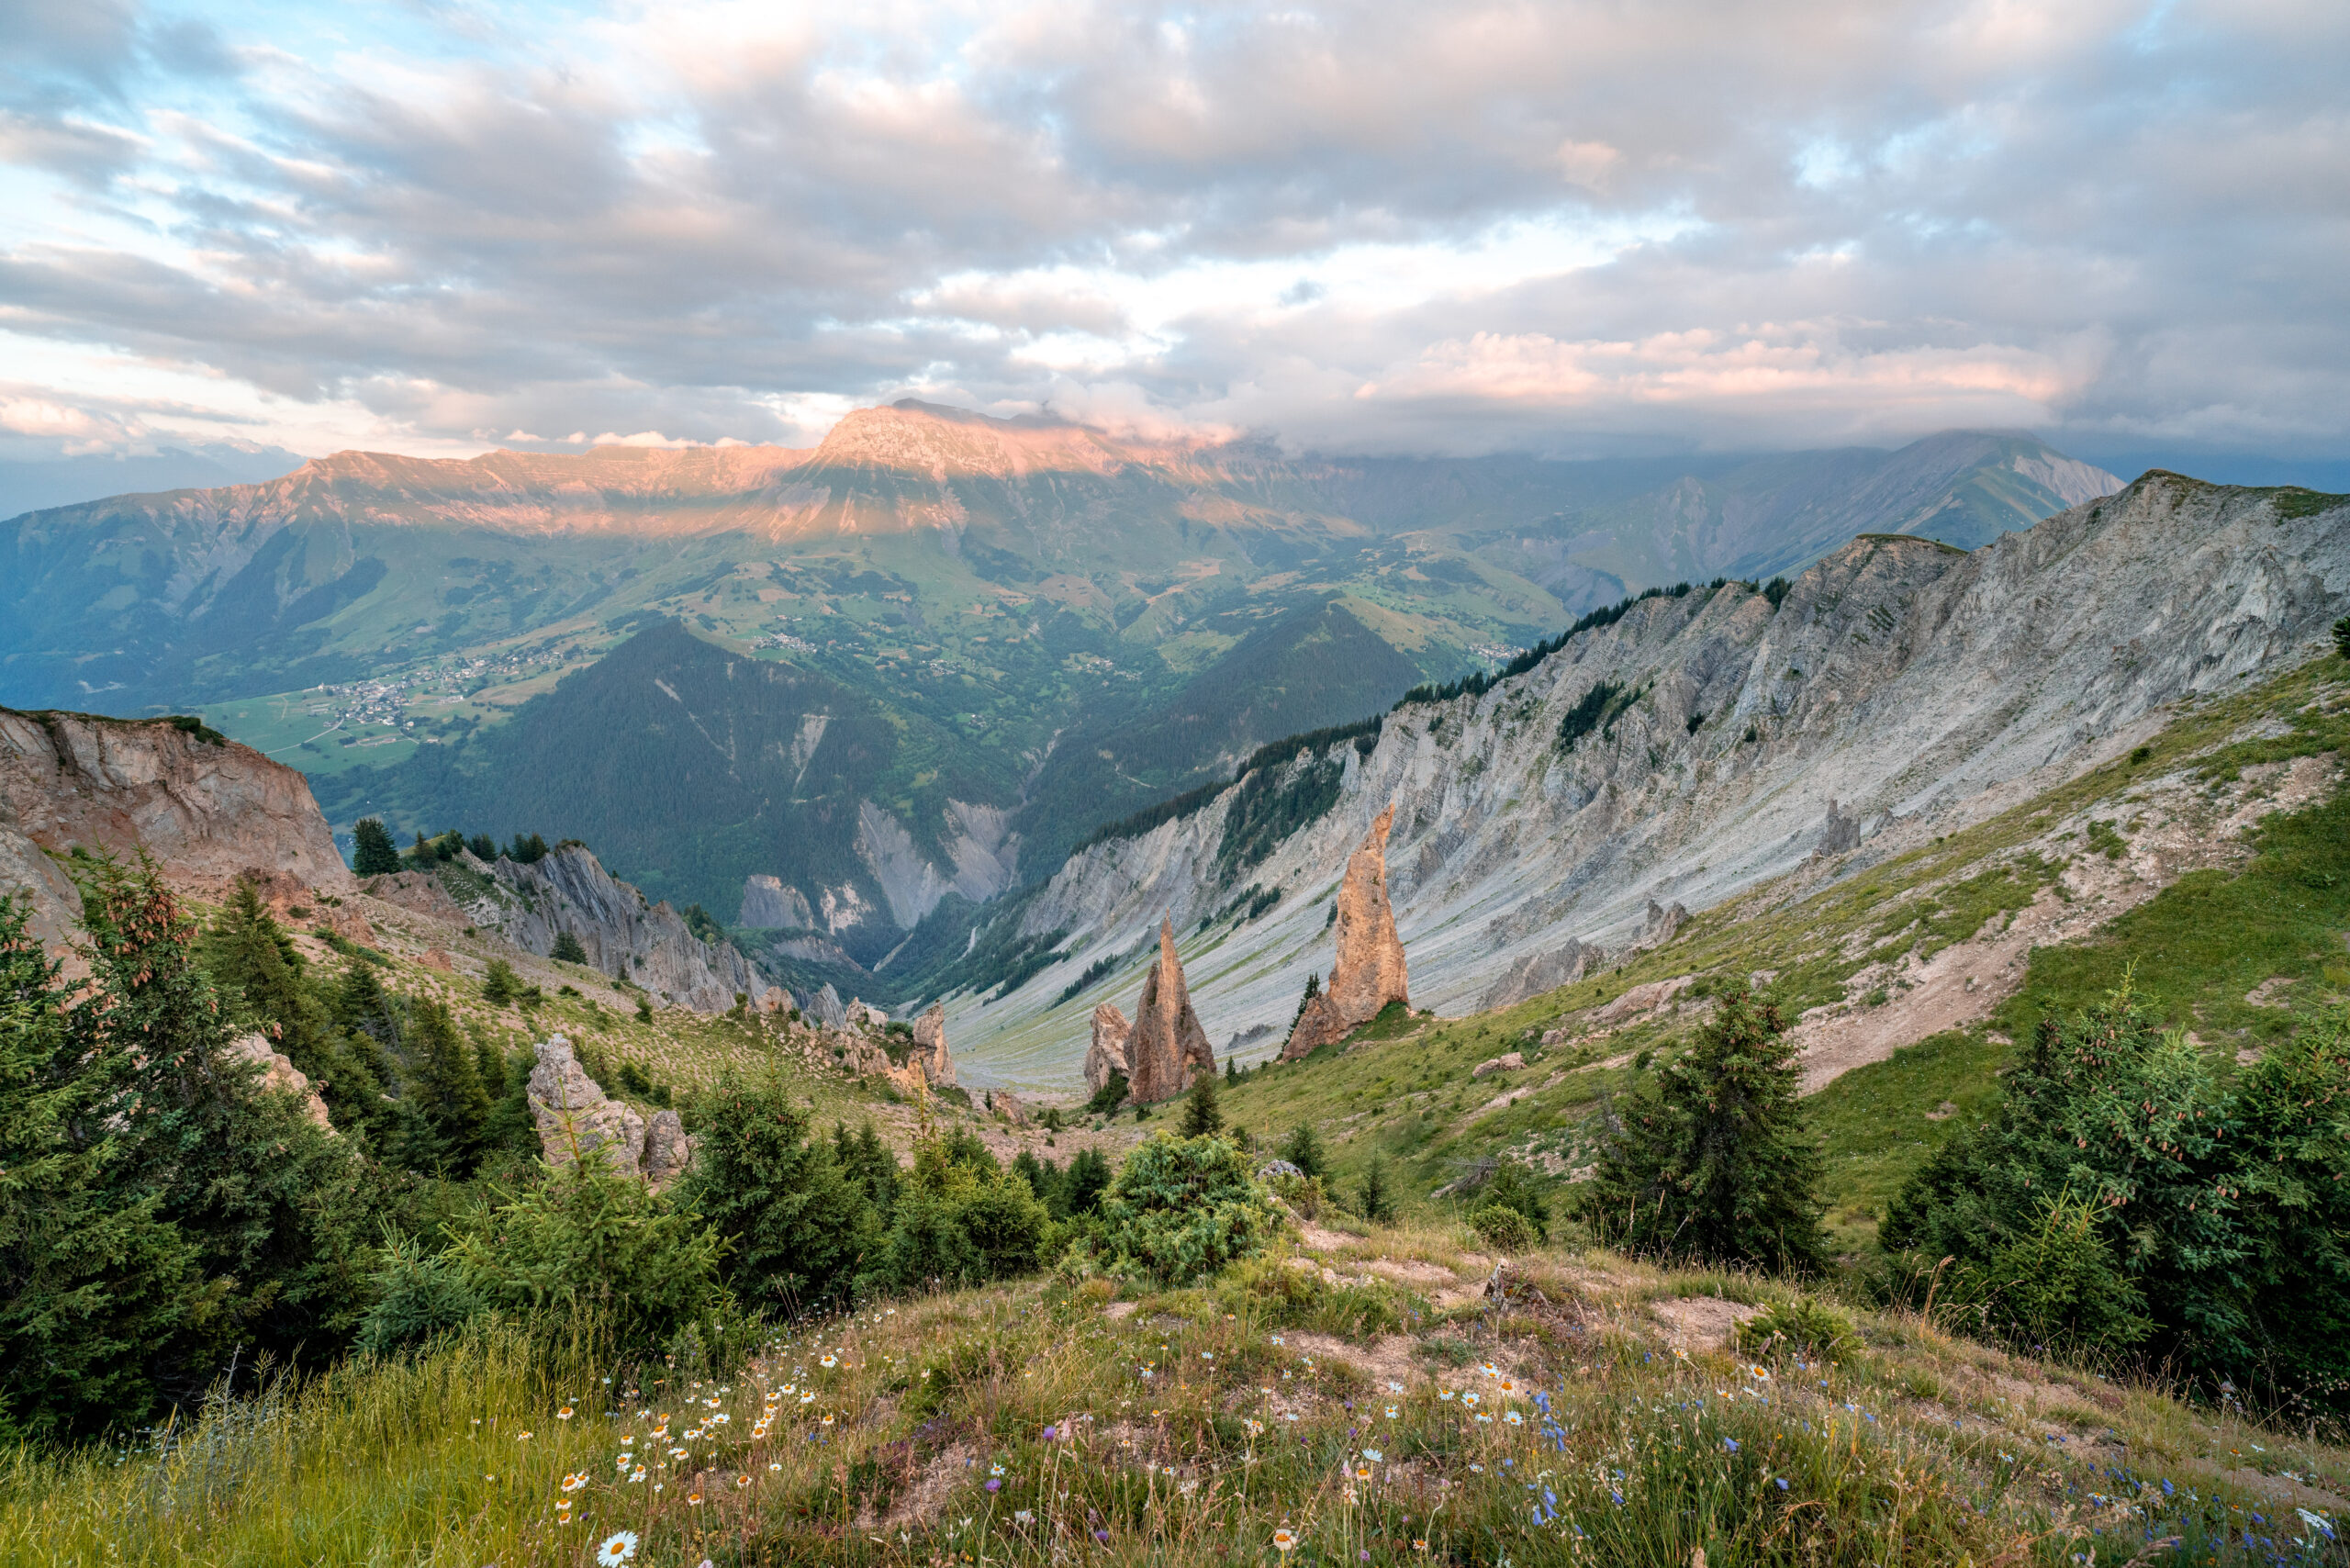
(568, 950)
(270, 1204)
(1378, 1198)
(445, 1086)
(798, 1226)
(372, 852)
(1715, 1161)
(1201, 1116)
(92, 1277)
(1304, 1150)
(1083, 1184)
(500, 985)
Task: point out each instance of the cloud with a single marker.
(1544, 226)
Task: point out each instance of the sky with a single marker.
(1573, 228)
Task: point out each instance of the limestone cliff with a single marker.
(1692, 748)
(209, 810)
(1167, 1048)
(1368, 973)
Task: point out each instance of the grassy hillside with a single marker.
(1363, 1399)
(2241, 951)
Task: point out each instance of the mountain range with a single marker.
(904, 671)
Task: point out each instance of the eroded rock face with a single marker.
(623, 932)
(828, 1009)
(576, 1119)
(1167, 1048)
(1107, 1054)
(279, 1073)
(1368, 973)
(1663, 923)
(209, 812)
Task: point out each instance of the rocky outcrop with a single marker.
(1368, 973)
(1642, 999)
(209, 810)
(1531, 974)
(1107, 1055)
(1513, 1062)
(279, 1073)
(1167, 1048)
(626, 934)
(769, 905)
(667, 1150)
(1005, 1103)
(576, 1120)
(1663, 923)
(828, 1008)
(930, 1045)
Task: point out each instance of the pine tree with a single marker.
(482, 846)
(568, 950)
(1201, 1116)
(374, 854)
(271, 1203)
(1378, 1200)
(1087, 1178)
(446, 1088)
(1304, 1150)
(1715, 1161)
(798, 1226)
(255, 963)
(2342, 637)
(91, 1278)
(500, 985)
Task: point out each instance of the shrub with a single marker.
(2054, 1287)
(1510, 1187)
(1303, 1194)
(1505, 1228)
(1183, 1208)
(1109, 1097)
(959, 1219)
(1291, 1293)
(418, 1294)
(1802, 1325)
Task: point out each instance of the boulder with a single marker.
(1107, 1054)
(667, 1150)
(434, 959)
(576, 1118)
(1005, 1103)
(1535, 973)
(1167, 1048)
(1642, 999)
(1491, 1065)
(279, 1073)
(1370, 972)
(865, 1016)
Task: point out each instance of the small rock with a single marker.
(279, 1073)
(1510, 1063)
(434, 959)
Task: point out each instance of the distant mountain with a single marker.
(900, 669)
(30, 485)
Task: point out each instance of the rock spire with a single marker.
(1107, 1054)
(1167, 1048)
(1368, 973)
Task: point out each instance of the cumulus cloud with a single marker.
(1363, 224)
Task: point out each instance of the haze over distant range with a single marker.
(1561, 229)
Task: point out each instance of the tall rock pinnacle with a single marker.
(1368, 973)
(1167, 1048)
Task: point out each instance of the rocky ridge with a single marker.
(624, 934)
(1706, 743)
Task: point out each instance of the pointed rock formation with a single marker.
(575, 1118)
(930, 1046)
(1107, 1055)
(1167, 1048)
(1368, 973)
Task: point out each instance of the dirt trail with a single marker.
(2179, 829)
